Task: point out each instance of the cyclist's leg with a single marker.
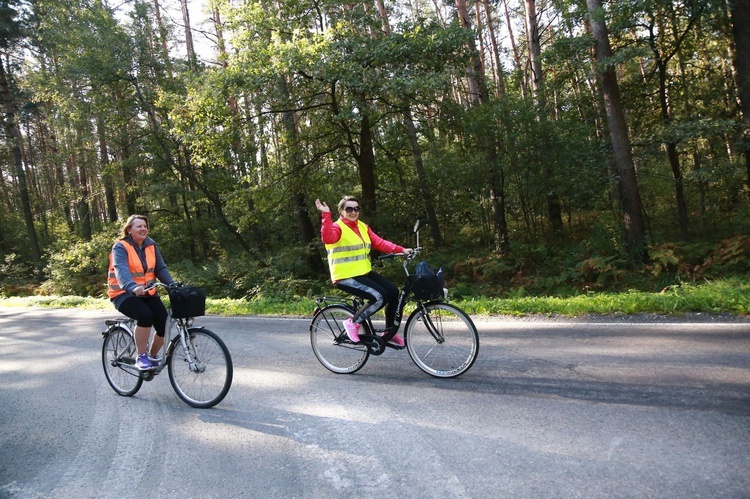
(136, 308)
(160, 314)
(367, 289)
(389, 291)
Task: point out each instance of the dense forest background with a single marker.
(548, 146)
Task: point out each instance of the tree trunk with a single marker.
(554, 211)
(386, 26)
(425, 192)
(500, 74)
(129, 174)
(487, 143)
(740, 13)
(162, 38)
(82, 205)
(629, 193)
(516, 55)
(192, 59)
(109, 188)
(234, 108)
(11, 131)
(296, 164)
(671, 147)
(475, 75)
(366, 162)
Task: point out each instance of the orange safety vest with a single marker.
(350, 255)
(140, 276)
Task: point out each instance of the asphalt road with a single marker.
(561, 409)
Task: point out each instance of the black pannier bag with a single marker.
(187, 301)
(426, 283)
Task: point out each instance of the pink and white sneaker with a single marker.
(397, 340)
(352, 330)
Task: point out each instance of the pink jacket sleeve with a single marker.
(330, 233)
(380, 244)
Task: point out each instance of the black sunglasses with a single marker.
(352, 209)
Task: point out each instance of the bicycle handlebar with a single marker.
(157, 284)
(408, 256)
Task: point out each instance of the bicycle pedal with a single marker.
(395, 347)
(375, 344)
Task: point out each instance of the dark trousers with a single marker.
(377, 291)
(147, 311)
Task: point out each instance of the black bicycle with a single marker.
(440, 337)
(198, 361)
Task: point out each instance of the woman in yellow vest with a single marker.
(348, 243)
(134, 262)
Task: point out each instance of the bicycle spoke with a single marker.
(118, 359)
(442, 340)
(201, 375)
(330, 343)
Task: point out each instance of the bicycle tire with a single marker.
(330, 344)
(459, 348)
(118, 349)
(208, 382)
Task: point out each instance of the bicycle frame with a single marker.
(403, 299)
(439, 337)
(180, 328)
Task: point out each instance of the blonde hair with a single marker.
(344, 200)
(124, 232)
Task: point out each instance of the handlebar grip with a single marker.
(390, 256)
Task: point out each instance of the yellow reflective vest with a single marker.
(350, 255)
(140, 275)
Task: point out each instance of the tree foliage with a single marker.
(424, 111)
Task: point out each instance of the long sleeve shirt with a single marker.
(122, 268)
(330, 233)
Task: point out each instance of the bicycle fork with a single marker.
(430, 324)
(191, 354)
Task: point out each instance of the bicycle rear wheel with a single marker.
(443, 342)
(206, 381)
(118, 360)
(331, 345)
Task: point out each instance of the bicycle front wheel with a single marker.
(200, 371)
(442, 340)
(331, 345)
(118, 359)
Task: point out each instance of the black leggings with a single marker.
(147, 311)
(377, 291)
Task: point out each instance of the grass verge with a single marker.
(721, 296)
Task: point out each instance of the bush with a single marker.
(17, 276)
(80, 269)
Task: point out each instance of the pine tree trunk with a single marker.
(11, 131)
(488, 143)
(192, 59)
(740, 10)
(630, 197)
(425, 192)
(554, 211)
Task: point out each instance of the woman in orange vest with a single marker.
(134, 262)
(348, 243)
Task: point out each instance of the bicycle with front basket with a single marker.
(198, 361)
(440, 337)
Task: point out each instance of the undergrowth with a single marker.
(713, 297)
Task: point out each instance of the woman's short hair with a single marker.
(345, 199)
(129, 224)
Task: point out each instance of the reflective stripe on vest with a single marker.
(140, 276)
(350, 256)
